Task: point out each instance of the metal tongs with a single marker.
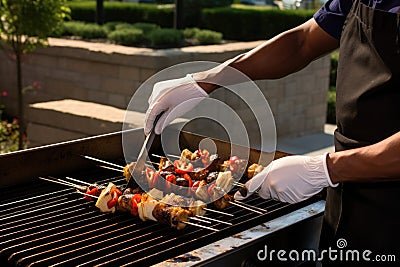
(142, 158)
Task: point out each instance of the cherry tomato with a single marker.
(170, 179)
(112, 202)
(91, 192)
(137, 198)
(115, 192)
(187, 178)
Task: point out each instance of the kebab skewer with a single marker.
(197, 182)
(110, 199)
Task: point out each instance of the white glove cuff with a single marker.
(326, 171)
(195, 84)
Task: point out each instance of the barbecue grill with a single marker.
(45, 224)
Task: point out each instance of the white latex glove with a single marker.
(166, 96)
(290, 179)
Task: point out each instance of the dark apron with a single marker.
(367, 215)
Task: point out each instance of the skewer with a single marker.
(118, 170)
(215, 220)
(217, 211)
(173, 156)
(198, 219)
(251, 206)
(201, 226)
(63, 183)
(238, 184)
(87, 194)
(75, 180)
(245, 207)
(103, 161)
(110, 168)
(58, 181)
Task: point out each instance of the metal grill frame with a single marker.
(60, 159)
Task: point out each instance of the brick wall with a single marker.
(109, 74)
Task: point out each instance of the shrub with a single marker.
(122, 11)
(190, 32)
(165, 37)
(71, 27)
(192, 9)
(85, 30)
(110, 26)
(236, 23)
(208, 37)
(331, 109)
(123, 26)
(127, 36)
(146, 27)
(334, 65)
(252, 24)
(92, 31)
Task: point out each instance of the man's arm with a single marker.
(280, 56)
(377, 162)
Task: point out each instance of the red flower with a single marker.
(4, 94)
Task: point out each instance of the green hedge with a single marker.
(127, 36)
(252, 24)
(235, 23)
(331, 109)
(125, 12)
(166, 38)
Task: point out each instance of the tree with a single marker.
(24, 26)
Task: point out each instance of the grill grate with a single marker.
(57, 227)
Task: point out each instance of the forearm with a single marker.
(275, 58)
(378, 162)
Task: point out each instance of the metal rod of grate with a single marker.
(57, 227)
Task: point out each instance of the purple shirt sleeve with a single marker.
(331, 16)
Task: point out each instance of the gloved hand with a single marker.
(290, 179)
(166, 96)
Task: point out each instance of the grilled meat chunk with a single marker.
(166, 165)
(215, 163)
(223, 202)
(189, 155)
(212, 176)
(199, 174)
(128, 170)
(220, 198)
(125, 203)
(197, 208)
(253, 170)
(133, 191)
(173, 216)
